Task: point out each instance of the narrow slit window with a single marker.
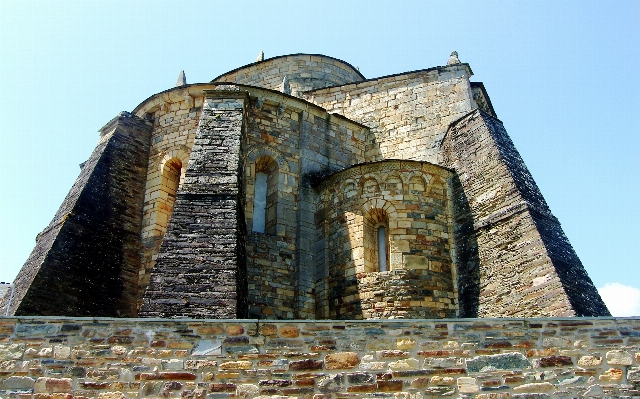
(260, 203)
(382, 248)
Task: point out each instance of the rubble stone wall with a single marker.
(77, 358)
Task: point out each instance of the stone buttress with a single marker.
(86, 262)
(514, 258)
(200, 271)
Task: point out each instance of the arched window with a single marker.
(265, 196)
(383, 252)
(260, 202)
(376, 241)
(169, 183)
(171, 176)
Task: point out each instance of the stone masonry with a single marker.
(508, 210)
(78, 358)
(86, 261)
(205, 218)
(295, 188)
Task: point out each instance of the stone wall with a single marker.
(408, 114)
(200, 269)
(303, 142)
(297, 144)
(55, 358)
(175, 121)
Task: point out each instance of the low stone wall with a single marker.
(102, 358)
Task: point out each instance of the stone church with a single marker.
(296, 188)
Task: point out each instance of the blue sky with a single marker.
(562, 76)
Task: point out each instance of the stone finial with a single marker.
(260, 56)
(182, 79)
(286, 88)
(453, 59)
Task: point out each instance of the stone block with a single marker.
(507, 361)
(406, 343)
(239, 365)
(289, 331)
(619, 358)
(306, 365)
(17, 382)
(589, 361)
(611, 375)
(390, 385)
(341, 360)
(633, 374)
(442, 380)
(52, 385)
(467, 385)
(405, 364)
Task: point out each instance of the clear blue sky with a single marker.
(562, 76)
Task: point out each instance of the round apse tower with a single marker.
(387, 231)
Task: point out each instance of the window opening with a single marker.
(382, 249)
(260, 203)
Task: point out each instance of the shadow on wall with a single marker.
(468, 260)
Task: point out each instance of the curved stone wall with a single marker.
(411, 201)
(304, 72)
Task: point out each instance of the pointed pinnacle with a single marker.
(286, 88)
(453, 59)
(182, 79)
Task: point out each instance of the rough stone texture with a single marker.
(408, 113)
(341, 360)
(200, 270)
(175, 117)
(420, 153)
(5, 289)
(508, 361)
(280, 261)
(123, 358)
(86, 262)
(544, 277)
